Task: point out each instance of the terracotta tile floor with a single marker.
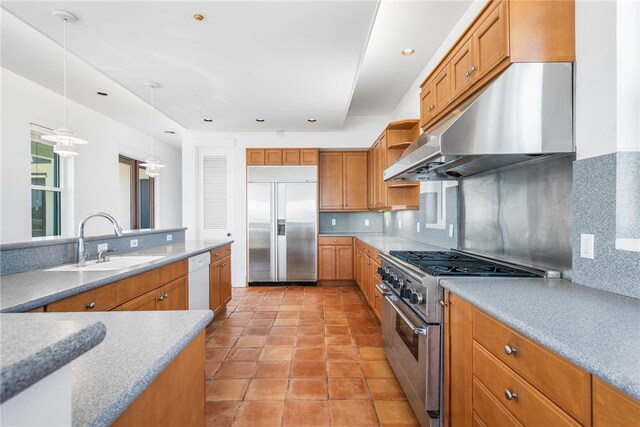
(300, 356)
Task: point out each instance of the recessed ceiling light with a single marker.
(408, 52)
(311, 120)
(170, 132)
(198, 17)
(208, 120)
(102, 93)
(260, 120)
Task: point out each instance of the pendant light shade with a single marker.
(64, 138)
(152, 164)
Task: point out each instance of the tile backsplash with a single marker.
(351, 222)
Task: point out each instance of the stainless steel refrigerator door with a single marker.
(297, 232)
(261, 233)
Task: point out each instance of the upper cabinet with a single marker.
(284, 156)
(343, 181)
(384, 152)
(505, 31)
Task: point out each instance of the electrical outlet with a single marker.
(450, 230)
(418, 227)
(134, 243)
(399, 224)
(169, 237)
(333, 221)
(103, 247)
(586, 245)
(366, 222)
(386, 221)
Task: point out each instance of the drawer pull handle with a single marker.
(510, 395)
(509, 350)
(163, 297)
(91, 305)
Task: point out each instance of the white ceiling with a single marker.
(283, 61)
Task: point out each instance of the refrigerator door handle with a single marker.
(274, 232)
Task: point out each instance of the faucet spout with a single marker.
(81, 253)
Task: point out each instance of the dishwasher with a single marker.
(199, 281)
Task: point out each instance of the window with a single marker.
(136, 195)
(45, 186)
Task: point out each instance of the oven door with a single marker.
(413, 350)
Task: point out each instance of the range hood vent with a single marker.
(526, 113)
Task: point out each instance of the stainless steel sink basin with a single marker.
(115, 263)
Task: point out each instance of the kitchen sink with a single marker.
(114, 263)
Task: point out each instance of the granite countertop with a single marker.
(597, 330)
(32, 289)
(33, 349)
(138, 346)
(385, 243)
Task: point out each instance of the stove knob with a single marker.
(405, 293)
(380, 272)
(416, 298)
(398, 284)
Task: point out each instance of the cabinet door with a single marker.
(225, 283)
(215, 279)
(458, 360)
(290, 157)
(272, 157)
(382, 165)
(309, 156)
(327, 262)
(354, 180)
(427, 105)
(173, 295)
(146, 302)
(255, 157)
(461, 68)
(491, 41)
(374, 279)
(344, 262)
(358, 269)
(331, 196)
(442, 90)
(611, 407)
(376, 304)
(370, 175)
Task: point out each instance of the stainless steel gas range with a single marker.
(412, 316)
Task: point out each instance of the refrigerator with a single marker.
(282, 224)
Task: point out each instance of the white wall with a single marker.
(358, 132)
(90, 179)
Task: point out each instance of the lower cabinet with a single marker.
(220, 279)
(176, 397)
(335, 258)
(494, 375)
(366, 266)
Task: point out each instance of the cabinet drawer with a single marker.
(132, 287)
(561, 381)
(99, 299)
(325, 240)
(529, 406)
(174, 271)
(219, 253)
(611, 407)
(489, 409)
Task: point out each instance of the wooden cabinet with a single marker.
(173, 296)
(99, 299)
(282, 156)
(220, 279)
(613, 408)
(176, 396)
(505, 32)
(335, 258)
(374, 294)
(343, 181)
(255, 157)
(146, 302)
(366, 264)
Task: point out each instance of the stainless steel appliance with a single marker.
(412, 318)
(526, 113)
(282, 221)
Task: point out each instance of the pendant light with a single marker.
(152, 164)
(64, 138)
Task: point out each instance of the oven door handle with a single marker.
(415, 329)
(383, 289)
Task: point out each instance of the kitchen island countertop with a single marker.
(26, 291)
(599, 331)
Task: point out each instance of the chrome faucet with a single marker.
(81, 254)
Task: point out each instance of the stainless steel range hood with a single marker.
(526, 113)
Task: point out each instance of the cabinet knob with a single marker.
(91, 305)
(443, 303)
(510, 395)
(473, 69)
(224, 264)
(467, 74)
(509, 350)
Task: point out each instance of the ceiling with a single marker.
(283, 61)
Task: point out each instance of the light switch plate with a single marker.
(450, 230)
(366, 222)
(387, 222)
(134, 243)
(586, 245)
(169, 237)
(333, 221)
(103, 247)
(418, 227)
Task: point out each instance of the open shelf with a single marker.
(401, 144)
(403, 184)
